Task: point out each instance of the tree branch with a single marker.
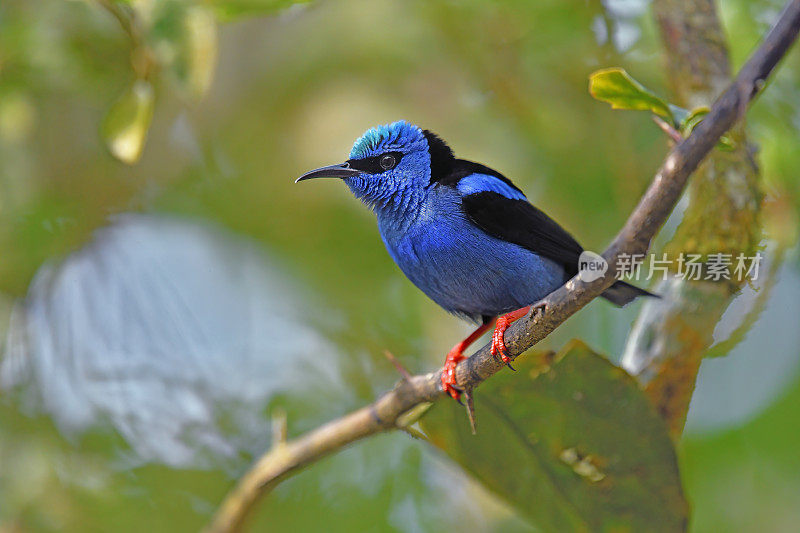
(671, 336)
(634, 238)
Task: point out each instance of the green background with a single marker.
(505, 83)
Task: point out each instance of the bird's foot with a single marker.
(455, 356)
(498, 348)
(498, 342)
(449, 385)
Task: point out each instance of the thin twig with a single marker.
(634, 238)
(278, 428)
(405, 374)
(667, 128)
(473, 421)
(143, 59)
(125, 18)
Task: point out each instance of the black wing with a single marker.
(523, 224)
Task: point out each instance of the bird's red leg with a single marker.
(455, 356)
(498, 342)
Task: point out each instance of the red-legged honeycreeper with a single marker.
(462, 232)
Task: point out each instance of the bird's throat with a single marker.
(396, 206)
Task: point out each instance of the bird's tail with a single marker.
(622, 293)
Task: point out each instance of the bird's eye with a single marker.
(387, 162)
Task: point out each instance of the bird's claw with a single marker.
(459, 389)
(449, 375)
(498, 347)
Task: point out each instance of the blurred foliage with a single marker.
(575, 445)
(173, 37)
(126, 124)
(243, 103)
(228, 10)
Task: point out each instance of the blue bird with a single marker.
(463, 233)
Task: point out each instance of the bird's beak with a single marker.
(333, 171)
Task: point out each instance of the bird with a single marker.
(462, 232)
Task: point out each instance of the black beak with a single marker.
(332, 171)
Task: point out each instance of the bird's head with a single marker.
(389, 162)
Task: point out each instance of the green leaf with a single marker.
(616, 87)
(200, 50)
(693, 118)
(127, 121)
(185, 40)
(576, 447)
(679, 114)
(234, 9)
(726, 143)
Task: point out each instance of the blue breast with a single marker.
(462, 268)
